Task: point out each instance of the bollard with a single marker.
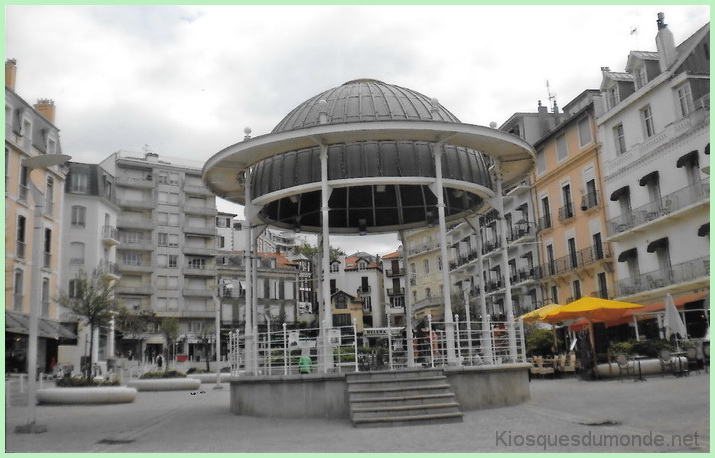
(22, 383)
(42, 376)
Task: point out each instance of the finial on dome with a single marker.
(247, 131)
(323, 111)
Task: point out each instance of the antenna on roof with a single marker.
(552, 98)
(634, 31)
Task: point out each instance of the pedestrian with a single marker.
(159, 361)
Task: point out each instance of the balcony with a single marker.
(136, 223)
(590, 201)
(198, 270)
(492, 286)
(697, 269)
(490, 245)
(147, 203)
(109, 270)
(577, 259)
(566, 212)
(196, 230)
(197, 292)
(132, 182)
(135, 290)
(395, 291)
(394, 272)
(203, 211)
(523, 230)
(110, 236)
(20, 250)
(435, 301)
(364, 290)
(198, 250)
(135, 266)
(423, 248)
(463, 259)
(655, 211)
(197, 190)
(137, 245)
(545, 222)
(527, 274)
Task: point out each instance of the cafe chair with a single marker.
(625, 365)
(540, 369)
(692, 355)
(666, 360)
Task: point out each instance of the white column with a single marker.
(408, 304)
(36, 279)
(327, 318)
(110, 339)
(485, 341)
(250, 358)
(508, 304)
(448, 318)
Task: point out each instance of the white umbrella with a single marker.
(671, 321)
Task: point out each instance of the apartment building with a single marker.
(423, 269)
(29, 132)
(360, 275)
(655, 132)
(167, 252)
(90, 239)
(393, 269)
(576, 259)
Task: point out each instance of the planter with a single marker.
(87, 395)
(649, 366)
(165, 384)
(211, 378)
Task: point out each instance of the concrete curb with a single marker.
(87, 395)
(165, 384)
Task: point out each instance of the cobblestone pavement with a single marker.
(563, 415)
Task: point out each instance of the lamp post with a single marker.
(32, 163)
(218, 339)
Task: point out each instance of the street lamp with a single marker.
(32, 163)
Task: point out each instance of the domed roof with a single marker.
(365, 100)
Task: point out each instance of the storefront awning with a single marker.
(19, 323)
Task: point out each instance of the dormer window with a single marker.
(613, 97)
(362, 264)
(335, 267)
(684, 99)
(641, 77)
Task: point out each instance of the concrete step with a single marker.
(409, 421)
(395, 383)
(366, 393)
(358, 413)
(413, 400)
(401, 374)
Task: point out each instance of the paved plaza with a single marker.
(662, 414)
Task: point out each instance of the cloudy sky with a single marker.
(186, 80)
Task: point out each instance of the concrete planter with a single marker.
(211, 378)
(87, 395)
(165, 384)
(649, 366)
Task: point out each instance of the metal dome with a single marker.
(380, 143)
(365, 100)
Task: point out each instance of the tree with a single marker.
(309, 251)
(135, 325)
(170, 328)
(93, 302)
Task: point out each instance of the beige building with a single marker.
(30, 131)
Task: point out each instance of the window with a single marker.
(45, 299)
(647, 118)
(562, 148)
(173, 240)
(49, 196)
(602, 286)
(173, 261)
(341, 302)
(439, 262)
(555, 294)
(21, 226)
(173, 220)
(197, 263)
(428, 293)
(73, 289)
(426, 265)
(684, 100)
(641, 77)
(613, 97)
(540, 162)
(620, 139)
(220, 241)
(584, 131)
(48, 248)
(335, 267)
(196, 326)
(23, 184)
(576, 289)
(598, 246)
(79, 182)
(77, 253)
(367, 304)
(78, 216)
(132, 259)
(163, 239)
(17, 290)
(362, 265)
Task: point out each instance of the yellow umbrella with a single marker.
(591, 309)
(539, 314)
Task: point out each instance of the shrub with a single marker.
(70, 382)
(163, 374)
(540, 342)
(620, 347)
(196, 370)
(651, 347)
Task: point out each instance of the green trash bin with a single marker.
(304, 364)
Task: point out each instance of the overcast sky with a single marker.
(186, 80)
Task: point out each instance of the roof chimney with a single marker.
(10, 73)
(666, 44)
(542, 109)
(46, 108)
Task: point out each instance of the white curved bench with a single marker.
(87, 395)
(164, 384)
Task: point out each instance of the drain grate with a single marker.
(115, 441)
